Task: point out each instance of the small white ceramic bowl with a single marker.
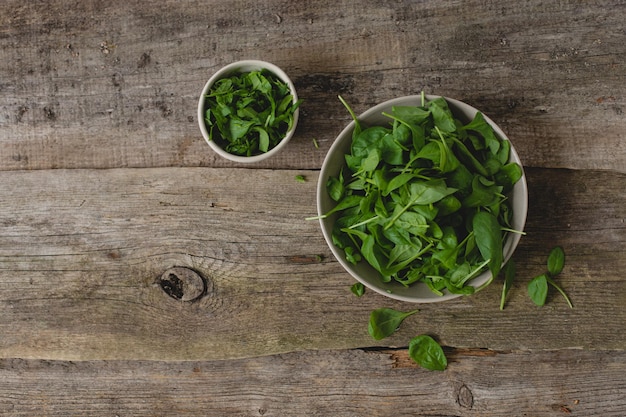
(243, 67)
(363, 272)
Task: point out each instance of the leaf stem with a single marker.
(356, 121)
(559, 289)
(320, 217)
(519, 232)
(371, 219)
(476, 270)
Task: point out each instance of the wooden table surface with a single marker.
(107, 183)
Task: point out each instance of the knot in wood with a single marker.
(465, 398)
(183, 283)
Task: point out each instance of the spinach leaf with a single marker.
(538, 289)
(423, 193)
(508, 175)
(357, 125)
(385, 321)
(556, 261)
(509, 276)
(422, 199)
(249, 113)
(489, 240)
(560, 290)
(427, 353)
(358, 289)
(442, 116)
(484, 193)
(335, 187)
(480, 125)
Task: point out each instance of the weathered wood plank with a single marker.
(82, 252)
(88, 327)
(114, 84)
(322, 383)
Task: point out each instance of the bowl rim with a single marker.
(242, 66)
(511, 242)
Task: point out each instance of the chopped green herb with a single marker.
(249, 113)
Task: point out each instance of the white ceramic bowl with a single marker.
(243, 67)
(363, 272)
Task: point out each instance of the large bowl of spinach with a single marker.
(422, 198)
(248, 110)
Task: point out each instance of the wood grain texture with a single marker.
(108, 190)
(94, 84)
(344, 383)
(82, 253)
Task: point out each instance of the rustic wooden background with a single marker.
(107, 183)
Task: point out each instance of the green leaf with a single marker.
(347, 202)
(560, 290)
(447, 160)
(421, 193)
(430, 152)
(448, 205)
(239, 128)
(556, 261)
(461, 179)
(358, 289)
(538, 289)
(488, 235)
(480, 125)
(447, 257)
(335, 188)
(508, 175)
(398, 181)
(249, 113)
(385, 321)
(410, 190)
(264, 139)
(470, 158)
(352, 255)
(427, 353)
(259, 82)
(442, 115)
(372, 160)
(373, 254)
(357, 124)
(484, 193)
(367, 140)
(411, 114)
(392, 152)
(509, 276)
(504, 153)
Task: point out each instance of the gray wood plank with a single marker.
(99, 85)
(344, 383)
(106, 184)
(82, 253)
